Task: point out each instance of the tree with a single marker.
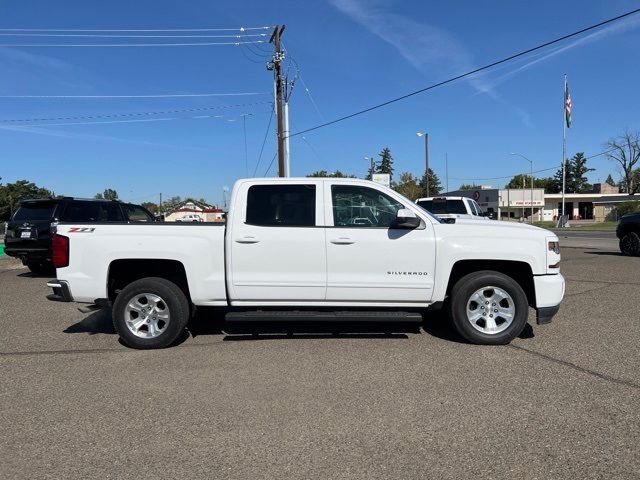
(12, 193)
(325, 174)
(467, 186)
(108, 194)
(516, 182)
(576, 182)
(152, 207)
(386, 162)
(625, 151)
(610, 181)
(169, 202)
(408, 186)
(435, 187)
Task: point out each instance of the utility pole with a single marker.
(160, 205)
(275, 65)
(426, 157)
(446, 168)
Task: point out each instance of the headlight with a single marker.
(554, 247)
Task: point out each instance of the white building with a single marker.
(208, 213)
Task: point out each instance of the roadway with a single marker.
(560, 402)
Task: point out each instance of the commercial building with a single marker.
(516, 204)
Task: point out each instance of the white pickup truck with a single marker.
(291, 249)
(451, 209)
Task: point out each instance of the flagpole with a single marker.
(564, 138)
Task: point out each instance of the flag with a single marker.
(567, 104)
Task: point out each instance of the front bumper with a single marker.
(549, 293)
(545, 314)
(61, 291)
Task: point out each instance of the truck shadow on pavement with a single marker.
(211, 322)
(97, 322)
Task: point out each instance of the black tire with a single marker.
(471, 283)
(175, 301)
(630, 244)
(41, 267)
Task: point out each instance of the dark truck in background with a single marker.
(628, 231)
(28, 232)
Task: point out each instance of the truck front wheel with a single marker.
(488, 308)
(630, 244)
(150, 313)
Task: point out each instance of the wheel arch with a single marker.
(122, 272)
(521, 272)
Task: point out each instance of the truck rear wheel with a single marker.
(488, 308)
(150, 313)
(630, 244)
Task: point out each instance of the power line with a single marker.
(171, 95)
(535, 171)
(136, 120)
(236, 29)
(469, 73)
(132, 114)
(100, 35)
(264, 141)
(270, 164)
(56, 45)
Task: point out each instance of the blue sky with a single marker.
(351, 54)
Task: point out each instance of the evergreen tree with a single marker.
(577, 169)
(435, 187)
(467, 186)
(386, 162)
(610, 181)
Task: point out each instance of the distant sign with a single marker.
(382, 178)
(476, 195)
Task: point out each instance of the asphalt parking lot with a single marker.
(559, 402)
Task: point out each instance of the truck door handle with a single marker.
(247, 239)
(343, 241)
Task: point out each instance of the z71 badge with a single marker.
(81, 230)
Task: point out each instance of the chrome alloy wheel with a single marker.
(490, 310)
(147, 315)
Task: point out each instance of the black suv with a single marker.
(28, 235)
(628, 231)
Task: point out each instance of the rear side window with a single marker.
(281, 205)
(34, 212)
(87, 211)
(441, 207)
(137, 214)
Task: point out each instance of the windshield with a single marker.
(439, 207)
(34, 212)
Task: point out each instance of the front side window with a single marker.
(476, 208)
(362, 207)
(281, 205)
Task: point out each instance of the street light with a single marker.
(531, 167)
(426, 156)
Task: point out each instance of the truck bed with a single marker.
(94, 247)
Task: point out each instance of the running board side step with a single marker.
(323, 316)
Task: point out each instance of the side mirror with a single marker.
(405, 218)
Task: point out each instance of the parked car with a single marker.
(449, 209)
(628, 231)
(28, 235)
(192, 217)
(299, 249)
